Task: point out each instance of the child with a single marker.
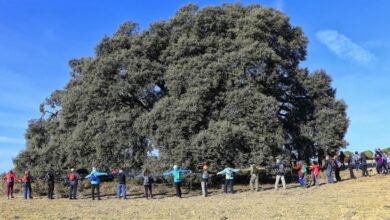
(315, 171)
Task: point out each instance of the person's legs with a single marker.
(48, 191)
(118, 191)
(150, 191)
(277, 181)
(257, 183)
(71, 187)
(29, 191)
(93, 187)
(317, 180)
(301, 181)
(124, 191)
(231, 186)
(251, 182)
(225, 186)
(203, 185)
(179, 189)
(283, 182)
(351, 172)
(10, 190)
(146, 191)
(98, 191)
(25, 187)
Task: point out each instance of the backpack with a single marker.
(72, 176)
(304, 168)
(93, 177)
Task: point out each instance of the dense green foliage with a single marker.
(214, 85)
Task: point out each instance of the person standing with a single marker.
(148, 181)
(49, 179)
(121, 183)
(229, 177)
(204, 179)
(176, 174)
(73, 178)
(337, 167)
(10, 178)
(95, 182)
(315, 171)
(279, 168)
(300, 167)
(26, 180)
(254, 171)
(328, 166)
(363, 161)
(351, 165)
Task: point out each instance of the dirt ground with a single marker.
(362, 198)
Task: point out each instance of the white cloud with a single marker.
(344, 47)
(8, 140)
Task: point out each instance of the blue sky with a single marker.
(349, 39)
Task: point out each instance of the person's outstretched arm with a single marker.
(221, 172)
(167, 173)
(236, 170)
(185, 171)
(101, 174)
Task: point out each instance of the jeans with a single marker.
(27, 191)
(225, 186)
(50, 190)
(148, 188)
(254, 182)
(357, 166)
(10, 189)
(278, 178)
(204, 188)
(97, 188)
(73, 191)
(302, 181)
(121, 190)
(178, 189)
(329, 176)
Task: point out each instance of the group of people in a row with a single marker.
(331, 166)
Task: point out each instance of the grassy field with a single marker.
(363, 198)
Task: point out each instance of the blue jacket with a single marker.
(97, 174)
(176, 174)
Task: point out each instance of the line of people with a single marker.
(332, 165)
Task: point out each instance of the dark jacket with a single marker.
(49, 177)
(121, 177)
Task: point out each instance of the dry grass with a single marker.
(363, 198)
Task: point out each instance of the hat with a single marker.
(71, 170)
(175, 167)
(205, 167)
(93, 169)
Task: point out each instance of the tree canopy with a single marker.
(214, 85)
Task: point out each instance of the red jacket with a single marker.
(10, 177)
(315, 169)
(299, 167)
